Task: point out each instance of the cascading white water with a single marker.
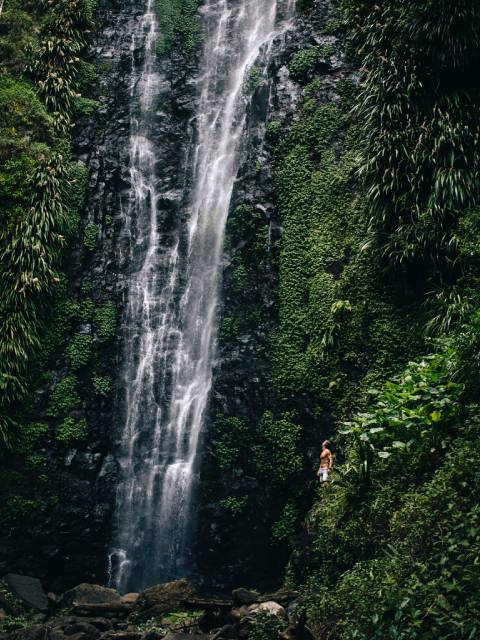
(171, 315)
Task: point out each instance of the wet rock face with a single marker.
(69, 541)
(242, 377)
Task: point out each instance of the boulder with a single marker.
(78, 636)
(245, 596)
(89, 594)
(130, 598)
(228, 632)
(36, 632)
(270, 607)
(27, 589)
(157, 600)
(88, 630)
(102, 624)
(237, 613)
(185, 636)
(121, 635)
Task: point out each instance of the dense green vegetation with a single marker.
(42, 189)
(378, 337)
(380, 321)
(46, 86)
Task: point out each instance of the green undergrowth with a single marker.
(396, 537)
(379, 322)
(19, 615)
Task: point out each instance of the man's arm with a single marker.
(330, 460)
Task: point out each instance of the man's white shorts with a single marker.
(324, 473)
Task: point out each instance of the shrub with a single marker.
(266, 627)
(102, 385)
(106, 321)
(72, 430)
(79, 350)
(411, 416)
(64, 397)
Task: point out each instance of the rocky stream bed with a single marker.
(173, 610)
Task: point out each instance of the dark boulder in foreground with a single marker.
(89, 594)
(161, 598)
(27, 589)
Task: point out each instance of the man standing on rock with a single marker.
(326, 462)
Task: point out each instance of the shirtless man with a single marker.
(326, 462)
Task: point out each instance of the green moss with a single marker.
(254, 79)
(72, 431)
(229, 329)
(332, 27)
(277, 456)
(234, 505)
(230, 433)
(79, 350)
(102, 385)
(106, 322)
(239, 277)
(303, 64)
(64, 397)
(18, 510)
(274, 129)
(85, 107)
(25, 438)
(286, 525)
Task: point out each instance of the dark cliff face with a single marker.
(67, 542)
(239, 539)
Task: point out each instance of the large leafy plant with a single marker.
(410, 417)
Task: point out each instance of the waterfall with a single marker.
(171, 312)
